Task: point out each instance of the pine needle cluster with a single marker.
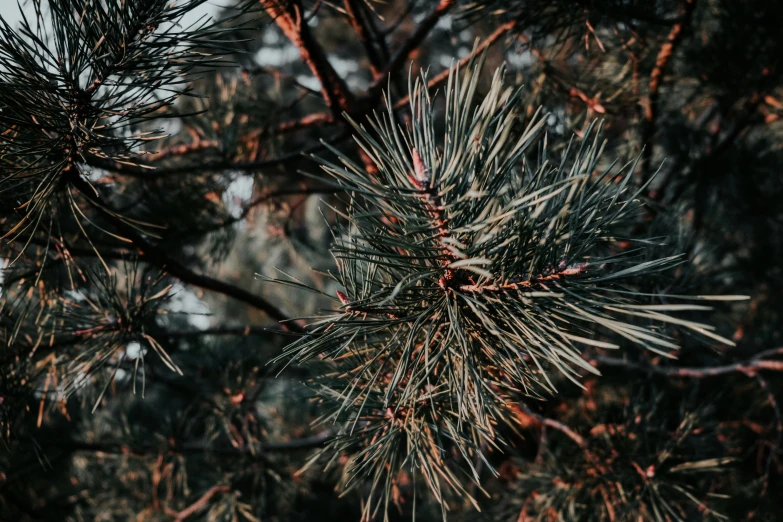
(473, 266)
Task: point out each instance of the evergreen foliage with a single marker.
(515, 290)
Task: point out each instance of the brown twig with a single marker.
(444, 75)
(428, 194)
(289, 18)
(183, 149)
(751, 365)
(555, 424)
(243, 331)
(148, 171)
(656, 77)
(356, 17)
(201, 502)
(147, 449)
(524, 284)
(569, 90)
(315, 119)
(411, 44)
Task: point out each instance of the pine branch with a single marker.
(241, 331)
(316, 119)
(201, 503)
(656, 77)
(147, 449)
(429, 243)
(410, 44)
(149, 171)
(440, 79)
(571, 91)
(358, 20)
(526, 284)
(184, 149)
(749, 366)
(428, 193)
(289, 18)
(158, 257)
(554, 424)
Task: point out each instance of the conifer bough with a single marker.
(473, 266)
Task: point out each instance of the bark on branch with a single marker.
(289, 17)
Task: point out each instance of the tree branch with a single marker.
(554, 424)
(289, 18)
(412, 43)
(243, 331)
(656, 76)
(142, 450)
(748, 366)
(144, 170)
(201, 502)
(356, 17)
(159, 258)
(185, 148)
(441, 78)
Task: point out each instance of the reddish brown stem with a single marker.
(748, 367)
(524, 284)
(411, 44)
(289, 17)
(443, 76)
(656, 78)
(569, 90)
(184, 148)
(428, 194)
(147, 171)
(311, 120)
(358, 21)
(554, 424)
(201, 502)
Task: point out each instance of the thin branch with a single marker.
(554, 424)
(159, 258)
(444, 75)
(430, 197)
(316, 119)
(184, 148)
(411, 44)
(289, 18)
(359, 23)
(201, 502)
(569, 90)
(142, 170)
(750, 365)
(143, 450)
(243, 331)
(524, 284)
(656, 76)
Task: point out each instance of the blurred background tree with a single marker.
(155, 177)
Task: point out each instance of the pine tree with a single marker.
(375, 261)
